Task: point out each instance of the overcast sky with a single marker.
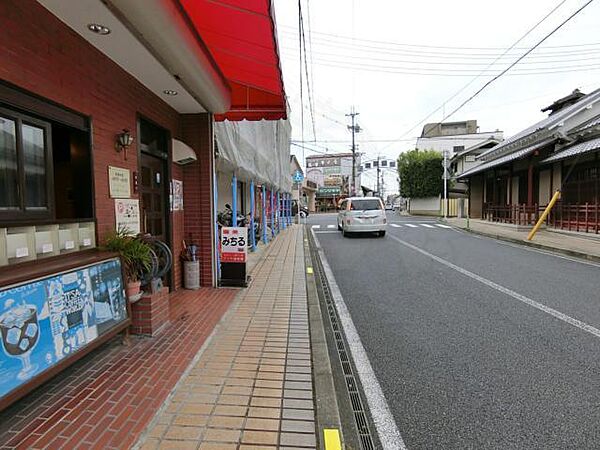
(408, 57)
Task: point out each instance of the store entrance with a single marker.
(153, 196)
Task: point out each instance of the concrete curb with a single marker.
(563, 251)
(327, 409)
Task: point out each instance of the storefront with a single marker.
(97, 133)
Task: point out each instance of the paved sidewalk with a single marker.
(252, 386)
(569, 244)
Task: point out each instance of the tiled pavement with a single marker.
(252, 386)
(105, 400)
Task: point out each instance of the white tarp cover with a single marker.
(256, 150)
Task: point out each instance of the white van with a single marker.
(362, 215)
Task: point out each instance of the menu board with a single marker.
(47, 320)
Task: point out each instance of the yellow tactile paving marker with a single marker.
(332, 439)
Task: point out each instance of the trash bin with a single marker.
(191, 274)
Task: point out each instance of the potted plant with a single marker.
(135, 255)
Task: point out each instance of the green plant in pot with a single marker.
(135, 256)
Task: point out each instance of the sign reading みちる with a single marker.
(234, 244)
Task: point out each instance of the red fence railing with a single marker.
(514, 214)
(576, 217)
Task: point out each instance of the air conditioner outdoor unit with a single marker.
(183, 153)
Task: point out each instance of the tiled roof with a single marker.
(573, 150)
(504, 159)
(548, 122)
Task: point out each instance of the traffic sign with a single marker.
(298, 176)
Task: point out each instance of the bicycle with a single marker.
(161, 259)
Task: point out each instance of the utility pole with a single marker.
(378, 171)
(355, 129)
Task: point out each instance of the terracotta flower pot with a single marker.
(133, 288)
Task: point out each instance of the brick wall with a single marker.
(42, 55)
(196, 131)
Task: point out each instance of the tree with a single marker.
(420, 173)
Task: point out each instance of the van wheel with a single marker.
(339, 227)
(344, 233)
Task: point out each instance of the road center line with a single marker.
(553, 312)
(388, 432)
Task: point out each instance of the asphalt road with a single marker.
(475, 343)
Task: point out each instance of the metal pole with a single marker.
(271, 201)
(234, 201)
(281, 208)
(252, 212)
(445, 184)
(216, 225)
(264, 214)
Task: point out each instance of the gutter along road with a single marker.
(475, 343)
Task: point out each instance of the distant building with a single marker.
(332, 173)
(455, 137)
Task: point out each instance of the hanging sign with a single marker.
(234, 244)
(118, 182)
(127, 214)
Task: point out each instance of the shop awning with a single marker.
(241, 37)
(574, 150)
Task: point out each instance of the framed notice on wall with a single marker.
(46, 321)
(119, 182)
(127, 214)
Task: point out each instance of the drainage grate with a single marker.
(360, 415)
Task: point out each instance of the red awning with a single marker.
(240, 35)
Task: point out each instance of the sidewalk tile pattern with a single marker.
(252, 386)
(107, 399)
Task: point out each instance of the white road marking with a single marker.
(442, 226)
(316, 227)
(412, 225)
(330, 226)
(389, 435)
(426, 225)
(327, 232)
(395, 225)
(553, 312)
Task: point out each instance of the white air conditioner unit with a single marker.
(183, 153)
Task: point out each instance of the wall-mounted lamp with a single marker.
(124, 140)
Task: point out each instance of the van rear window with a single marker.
(365, 205)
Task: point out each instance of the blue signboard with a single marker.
(47, 320)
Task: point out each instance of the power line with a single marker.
(505, 70)
(308, 84)
(300, 65)
(404, 44)
(519, 59)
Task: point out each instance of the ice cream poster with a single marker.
(45, 321)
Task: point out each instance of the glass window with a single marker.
(365, 204)
(9, 172)
(24, 152)
(34, 167)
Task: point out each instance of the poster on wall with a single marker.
(177, 195)
(44, 321)
(118, 182)
(127, 214)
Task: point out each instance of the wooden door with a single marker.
(153, 203)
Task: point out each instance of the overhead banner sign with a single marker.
(234, 244)
(328, 191)
(47, 320)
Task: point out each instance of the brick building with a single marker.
(105, 120)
